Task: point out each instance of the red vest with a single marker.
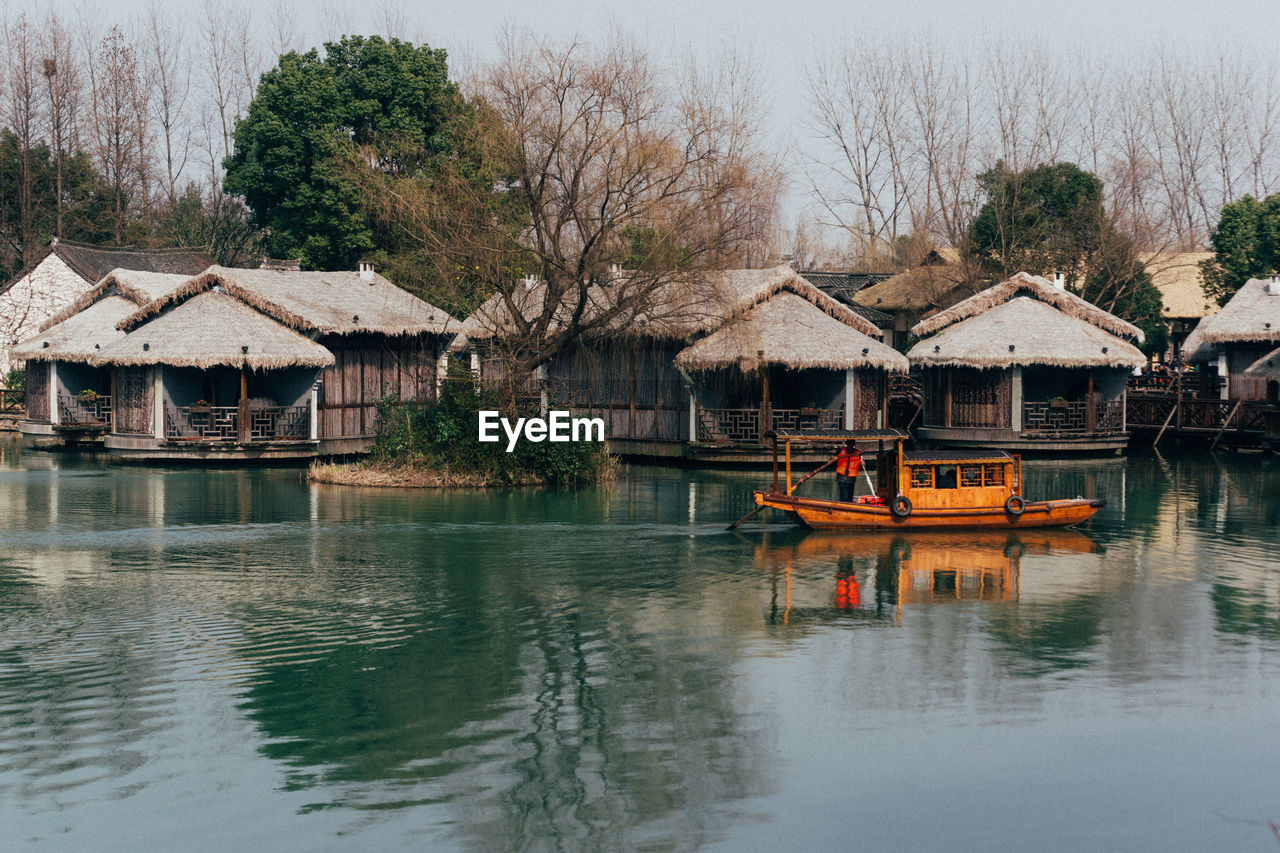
(847, 464)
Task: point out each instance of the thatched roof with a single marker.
(1037, 288)
(1267, 367)
(919, 290)
(80, 336)
(137, 287)
(1177, 276)
(1021, 332)
(1251, 316)
(92, 262)
(789, 331)
(680, 307)
(340, 302)
(213, 329)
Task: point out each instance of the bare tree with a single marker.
(605, 164)
(60, 67)
(169, 73)
(117, 96)
(23, 115)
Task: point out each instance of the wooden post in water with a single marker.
(765, 425)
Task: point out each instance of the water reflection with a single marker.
(905, 568)
(588, 669)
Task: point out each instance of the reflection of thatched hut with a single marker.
(1026, 365)
(69, 400)
(1247, 328)
(706, 361)
(212, 367)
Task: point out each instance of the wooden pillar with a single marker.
(157, 403)
(53, 392)
(242, 415)
(315, 411)
(850, 397)
(1015, 400)
(765, 414)
(1090, 420)
(946, 399)
(882, 417)
(693, 417)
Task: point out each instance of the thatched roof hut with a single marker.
(917, 291)
(1025, 320)
(786, 331)
(80, 336)
(214, 329)
(1178, 277)
(136, 287)
(1251, 316)
(92, 262)
(321, 302)
(681, 306)
(1267, 367)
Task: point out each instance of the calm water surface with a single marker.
(213, 660)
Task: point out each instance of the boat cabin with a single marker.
(935, 479)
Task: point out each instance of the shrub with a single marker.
(444, 434)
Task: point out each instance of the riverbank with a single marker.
(384, 474)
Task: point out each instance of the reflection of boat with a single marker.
(923, 489)
(908, 567)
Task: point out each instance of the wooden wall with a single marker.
(133, 401)
(38, 390)
(370, 368)
(633, 385)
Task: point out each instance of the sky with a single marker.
(784, 36)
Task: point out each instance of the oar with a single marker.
(760, 509)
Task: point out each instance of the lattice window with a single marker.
(133, 401)
(980, 398)
(993, 475)
(970, 476)
(869, 398)
(922, 477)
(38, 391)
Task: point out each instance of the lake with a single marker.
(214, 660)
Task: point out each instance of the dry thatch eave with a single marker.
(1036, 287)
(80, 336)
(676, 309)
(790, 332)
(1251, 316)
(328, 303)
(1024, 332)
(137, 287)
(214, 329)
(1267, 367)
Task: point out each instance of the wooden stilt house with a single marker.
(1025, 365)
(384, 341)
(68, 399)
(708, 364)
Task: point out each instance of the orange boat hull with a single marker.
(834, 515)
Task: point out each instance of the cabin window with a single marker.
(922, 477)
(993, 475)
(945, 478)
(970, 476)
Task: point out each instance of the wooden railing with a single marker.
(1153, 410)
(84, 410)
(1069, 417)
(743, 425)
(222, 423)
(11, 400)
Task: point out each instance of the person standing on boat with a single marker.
(848, 464)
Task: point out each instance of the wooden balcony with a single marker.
(1070, 417)
(84, 410)
(223, 423)
(743, 426)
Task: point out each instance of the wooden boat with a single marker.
(921, 489)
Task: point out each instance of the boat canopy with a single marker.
(837, 435)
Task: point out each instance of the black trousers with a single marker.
(846, 486)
